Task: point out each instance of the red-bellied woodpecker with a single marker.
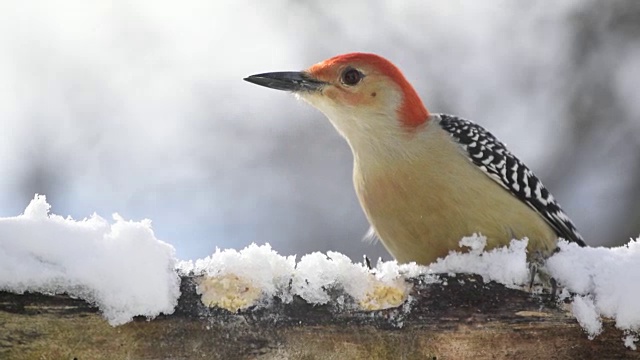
(425, 180)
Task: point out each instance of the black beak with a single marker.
(287, 80)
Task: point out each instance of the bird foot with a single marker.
(540, 281)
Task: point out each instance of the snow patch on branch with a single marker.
(119, 266)
(607, 281)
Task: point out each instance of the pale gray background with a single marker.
(138, 107)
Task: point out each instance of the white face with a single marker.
(362, 110)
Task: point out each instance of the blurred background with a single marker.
(138, 107)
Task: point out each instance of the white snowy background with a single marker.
(138, 107)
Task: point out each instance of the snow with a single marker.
(606, 281)
(630, 341)
(252, 276)
(259, 271)
(609, 276)
(584, 309)
(240, 279)
(506, 265)
(316, 273)
(120, 266)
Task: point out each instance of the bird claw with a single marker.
(545, 281)
(367, 262)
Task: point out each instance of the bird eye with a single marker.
(351, 77)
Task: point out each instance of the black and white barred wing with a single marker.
(491, 155)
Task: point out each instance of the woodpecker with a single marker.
(425, 180)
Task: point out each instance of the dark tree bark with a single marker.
(463, 318)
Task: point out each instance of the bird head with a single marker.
(364, 95)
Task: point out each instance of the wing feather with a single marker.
(494, 159)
